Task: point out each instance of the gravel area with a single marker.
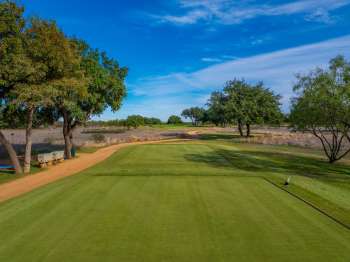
(50, 139)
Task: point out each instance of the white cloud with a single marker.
(211, 59)
(235, 12)
(169, 94)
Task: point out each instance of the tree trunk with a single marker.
(332, 160)
(240, 129)
(248, 130)
(12, 153)
(66, 135)
(28, 150)
(67, 146)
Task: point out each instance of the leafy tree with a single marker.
(104, 86)
(174, 120)
(14, 67)
(53, 61)
(251, 104)
(35, 70)
(217, 110)
(152, 121)
(322, 107)
(135, 121)
(196, 114)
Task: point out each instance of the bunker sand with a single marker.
(67, 168)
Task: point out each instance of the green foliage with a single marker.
(148, 121)
(135, 121)
(196, 114)
(252, 104)
(14, 66)
(217, 111)
(98, 138)
(245, 105)
(174, 120)
(105, 85)
(152, 121)
(322, 107)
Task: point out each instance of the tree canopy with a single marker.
(103, 88)
(196, 114)
(46, 75)
(322, 107)
(135, 121)
(174, 120)
(245, 105)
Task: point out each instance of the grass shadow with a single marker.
(266, 162)
(216, 136)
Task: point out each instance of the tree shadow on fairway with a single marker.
(261, 162)
(218, 136)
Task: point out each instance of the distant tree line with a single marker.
(135, 121)
(132, 121)
(46, 76)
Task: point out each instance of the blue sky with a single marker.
(179, 51)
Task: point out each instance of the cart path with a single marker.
(67, 168)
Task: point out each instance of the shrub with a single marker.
(173, 120)
(135, 121)
(98, 138)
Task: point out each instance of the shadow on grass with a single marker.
(7, 172)
(260, 162)
(218, 136)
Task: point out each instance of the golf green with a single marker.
(124, 209)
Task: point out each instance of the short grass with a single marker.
(203, 201)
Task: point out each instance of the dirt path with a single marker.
(67, 168)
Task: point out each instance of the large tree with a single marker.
(174, 120)
(105, 87)
(322, 107)
(54, 63)
(248, 104)
(14, 67)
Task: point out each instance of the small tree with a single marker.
(152, 121)
(322, 107)
(135, 121)
(196, 114)
(174, 120)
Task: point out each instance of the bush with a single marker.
(174, 120)
(152, 121)
(135, 121)
(98, 138)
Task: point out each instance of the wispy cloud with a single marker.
(235, 12)
(170, 93)
(219, 59)
(211, 59)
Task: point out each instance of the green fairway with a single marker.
(204, 201)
